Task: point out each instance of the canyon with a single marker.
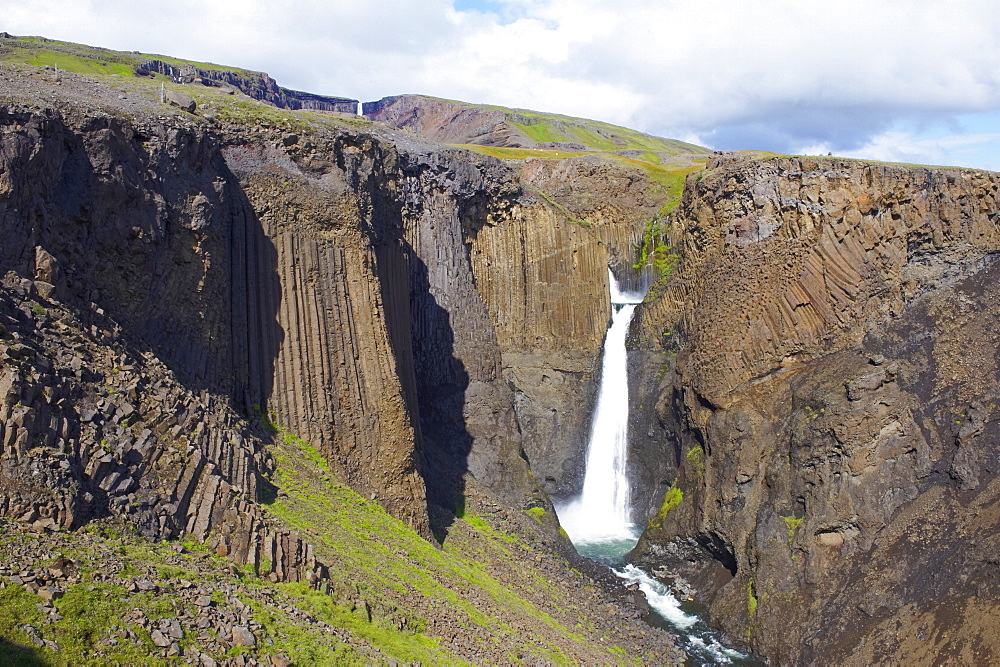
(354, 359)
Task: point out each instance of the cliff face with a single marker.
(204, 320)
(212, 276)
(411, 311)
(834, 398)
(257, 85)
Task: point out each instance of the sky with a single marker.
(896, 80)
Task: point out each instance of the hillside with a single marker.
(453, 122)
(100, 62)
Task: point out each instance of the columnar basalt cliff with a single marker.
(186, 295)
(414, 312)
(835, 402)
(212, 319)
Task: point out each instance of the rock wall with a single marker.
(258, 287)
(257, 85)
(834, 395)
(90, 426)
(368, 297)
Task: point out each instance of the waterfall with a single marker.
(600, 515)
(598, 520)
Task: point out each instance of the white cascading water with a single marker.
(598, 521)
(601, 512)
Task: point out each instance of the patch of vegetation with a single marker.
(242, 111)
(503, 153)
(537, 513)
(384, 559)
(562, 209)
(89, 614)
(548, 127)
(751, 609)
(792, 523)
(673, 498)
(541, 132)
(18, 608)
(68, 61)
(696, 459)
(655, 249)
(89, 60)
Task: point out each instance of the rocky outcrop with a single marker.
(446, 121)
(834, 399)
(257, 85)
(274, 308)
(89, 426)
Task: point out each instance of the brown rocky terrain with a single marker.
(829, 342)
(185, 294)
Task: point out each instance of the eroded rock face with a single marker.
(410, 310)
(835, 399)
(252, 280)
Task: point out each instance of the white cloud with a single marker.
(775, 73)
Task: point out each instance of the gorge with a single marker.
(298, 385)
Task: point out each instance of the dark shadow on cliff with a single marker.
(194, 284)
(441, 382)
(180, 261)
(234, 342)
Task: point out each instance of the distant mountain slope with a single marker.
(453, 122)
(96, 61)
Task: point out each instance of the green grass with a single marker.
(546, 127)
(536, 512)
(541, 132)
(93, 628)
(89, 60)
(69, 62)
(382, 559)
(521, 153)
(18, 608)
(89, 614)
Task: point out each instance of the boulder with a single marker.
(180, 100)
(243, 637)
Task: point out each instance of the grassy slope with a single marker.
(545, 127)
(481, 575)
(479, 597)
(597, 135)
(83, 59)
(98, 624)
